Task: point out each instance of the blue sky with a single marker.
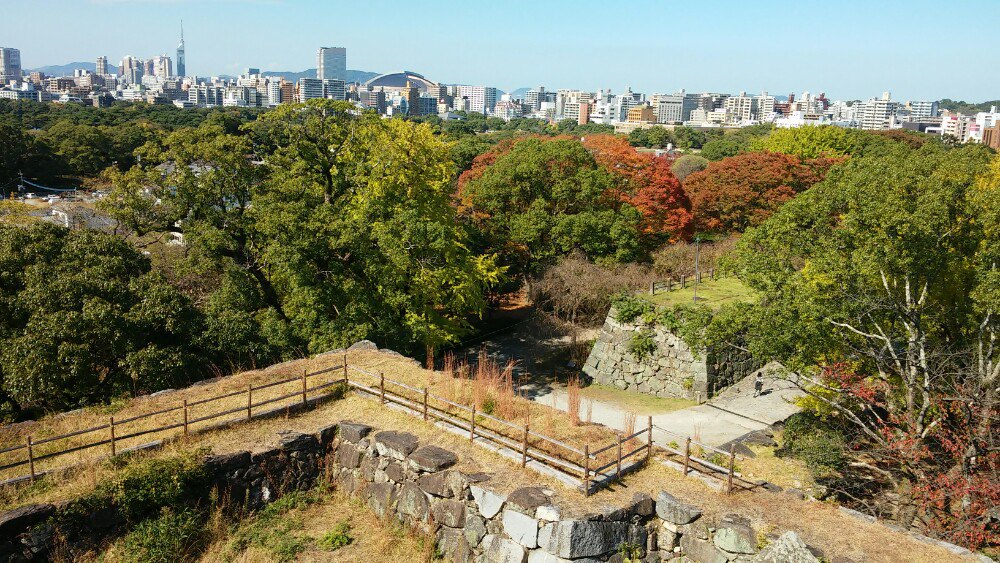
(917, 49)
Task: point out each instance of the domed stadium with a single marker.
(398, 80)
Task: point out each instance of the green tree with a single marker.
(84, 319)
(814, 142)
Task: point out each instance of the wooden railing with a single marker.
(591, 467)
(681, 282)
(122, 431)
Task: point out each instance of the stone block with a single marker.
(396, 445)
(548, 513)
(735, 535)
(292, 441)
(449, 513)
(412, 503)
(488, 502)
(20, 519)
(521, 528)
(573, 539)
(702, 551)
(453, 545)
(675, 511)
(395, 472)
(353, 431)
(789, 548)
(475, 528)
(326, 434)
(447, 484)
(497, 549)
(381, 498)
(348, 456)
(432, 458)
(527, 499)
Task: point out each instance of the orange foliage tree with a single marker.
(742, 191)
(647, 183)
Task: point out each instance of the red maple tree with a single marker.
(742, 191)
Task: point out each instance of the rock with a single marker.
(643, 504)
(447, 484)
(395, 472)
(395, 444)
(348, 456)
(666, 538)
(702, 551)
(760, 438)
(489, 503)
(449, 513)
(363, 345)
(539, 556)
(548, 513)
(521, 528)
(291, 440)
(735, 535)
(675, 511)
(432, 458)
(497, 549)
(353, 431)
(326, 434)
(367, 468)
(475, 528)
(21, 519)
(381, 497)
(227, 463)
(697, 529)
(572, 539)
(412, 502)
(453, 545)
(789, 548)
(527, 499)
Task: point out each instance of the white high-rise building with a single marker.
(481, 99)
(740, 108)
(878, 113)
(765, 105)
(10, 64)
(131, 70)
(101, 67)
(331, 63)
(163, 67)
(922, 110)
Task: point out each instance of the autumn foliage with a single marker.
(742, 191)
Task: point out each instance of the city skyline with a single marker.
(780, 48)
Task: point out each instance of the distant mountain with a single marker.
(291, 76)
(64, 70)
(518, 94)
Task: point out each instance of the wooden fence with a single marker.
(681, 282)
(591, 467)
(118, 432)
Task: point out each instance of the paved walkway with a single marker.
(731, 415)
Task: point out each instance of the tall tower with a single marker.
(101, 68)
(331, 63)
(181, 70)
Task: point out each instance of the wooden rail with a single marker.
(117, 431)
(681, 282)
(581, 465)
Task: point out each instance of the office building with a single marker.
(641, 114)
(181, 60)
(991, 137)
(161, 67)
(10, 64)
(101, 67)
(131, 70)
(331, 63)
(922, 110)
(878, 113)
(481, 99)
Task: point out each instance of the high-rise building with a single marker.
(181, 61)
(161, 67)
(131, 70)
(765, 105)
(10, 64)
(922, 110)
(101, 68)
(878, 113)
(331, 63)
(481, 99)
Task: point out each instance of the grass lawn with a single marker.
(630, 401)
(714, 293)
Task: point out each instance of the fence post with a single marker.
(732, 463)
(472, 428)
(652, 288)
(683, 282)
(112, 426)
(670, 284)
(31, 459)
(711, 273)
(304, 388)
(345, 367)
(687, 455)
(425, 404)
(249, 399)
(649, 440)
(618, 467)
(185, 408)
(524, 447)
(586, 470)
(381, 388)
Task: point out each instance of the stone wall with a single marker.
(418, 485)
(672, 370)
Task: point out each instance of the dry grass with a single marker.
(820, 524)
(639, 403)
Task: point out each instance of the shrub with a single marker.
(173, 536)
(273, 530)
(642, 345)
(630, 307)
(817, 442)
(337, 538)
